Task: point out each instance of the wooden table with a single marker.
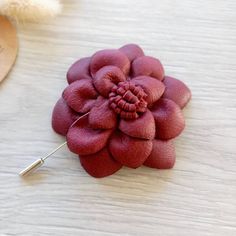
(195, 40)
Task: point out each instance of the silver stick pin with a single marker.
(35, 165)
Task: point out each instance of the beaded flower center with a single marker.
(128, 100)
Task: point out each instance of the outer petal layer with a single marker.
(109, 57)
(102, 116)
(79, 70)
(142, 127)
(151, 86)
(83, 140)
(63, 117)
(131, 152)
(100, 164)
(168, 118)
(162, 155)
(132, 51)
(176, 91)
(148, 66)
(80, 95)
(106, 78)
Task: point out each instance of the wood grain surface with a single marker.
(196, 41)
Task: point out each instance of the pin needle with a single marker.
(35, 165)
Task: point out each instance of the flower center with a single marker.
(128, 100)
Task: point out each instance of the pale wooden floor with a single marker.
(196, 41)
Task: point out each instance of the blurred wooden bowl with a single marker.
(8, 46)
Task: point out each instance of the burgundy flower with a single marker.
(133, 111)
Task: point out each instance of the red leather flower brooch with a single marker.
(131, 111)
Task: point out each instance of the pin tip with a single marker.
(32, 167)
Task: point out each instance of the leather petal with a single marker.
(151, 86)
(83, 140)
(80, 95)
(100, 164)
(162, 155)
(63, 117)
(106, 78)
(101, 116)
(149, 66)
(79, 70)
(176, 91)
(168, 118)
(142, 127)
(132, 51)
(109, 57)
(131, 152)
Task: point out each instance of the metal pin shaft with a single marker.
(35, 165)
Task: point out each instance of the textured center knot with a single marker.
(128, 100)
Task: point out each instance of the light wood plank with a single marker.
(195, 40)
